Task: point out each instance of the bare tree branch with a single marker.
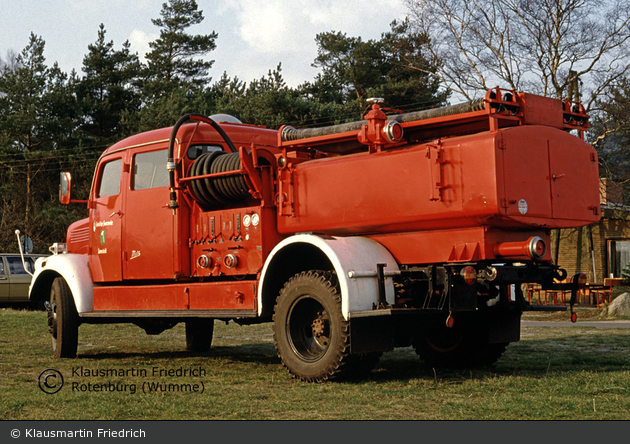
(528, 45)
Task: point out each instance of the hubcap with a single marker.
(308, 329)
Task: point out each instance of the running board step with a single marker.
(218, 314)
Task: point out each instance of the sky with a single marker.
(254, 36)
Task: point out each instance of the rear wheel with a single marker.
(199, 334)
(311, 335)
(457, 348)
(361, 365)
(63, 320)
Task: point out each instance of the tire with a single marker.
(63, 320)
(361, 365)
(457, 348)
(199, 334)
(311, 336)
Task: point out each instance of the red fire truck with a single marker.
(403, 229)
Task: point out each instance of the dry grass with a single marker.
(552, 373)
(585, 313)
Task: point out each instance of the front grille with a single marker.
(80, 235)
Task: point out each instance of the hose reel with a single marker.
(224, 189)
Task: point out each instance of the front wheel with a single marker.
(199, 334)
(63, 320)
(310, 333)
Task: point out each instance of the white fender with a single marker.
(75, 270)
(355, 261)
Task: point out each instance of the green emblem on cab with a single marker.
(102, 237)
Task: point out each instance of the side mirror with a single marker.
(65, 186)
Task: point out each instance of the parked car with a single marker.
(14, 279)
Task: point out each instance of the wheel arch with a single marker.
(343, 255)
(76, 272)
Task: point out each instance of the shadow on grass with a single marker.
(567, 354)
(247, 353)
(599, 352)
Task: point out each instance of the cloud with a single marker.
(257, 35)
(265, 27)
(139, 41)
(284, 26)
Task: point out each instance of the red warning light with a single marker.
(469, 274)
(450, 322)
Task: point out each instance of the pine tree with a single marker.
(37, 119)
(175, 74)
(394, 67)
(107, 90)
(172, 61)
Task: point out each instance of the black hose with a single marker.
(289, 133)
(214, 191)
(460, 108)
(209, 186)
(170, 166)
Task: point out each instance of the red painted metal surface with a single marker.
(246, 235)
(475, 185)
(507, 179)
(185, 296)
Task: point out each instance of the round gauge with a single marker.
(247, 220)
(255, 219)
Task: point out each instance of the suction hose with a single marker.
(171, 165)
(290, 134)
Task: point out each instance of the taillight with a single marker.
(450, 321)
(469, 274)
(580, 278)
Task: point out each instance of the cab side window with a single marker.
(149, 170)
(110, 179)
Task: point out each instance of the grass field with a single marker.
(578, 373)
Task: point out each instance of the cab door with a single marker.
(107, 216)
(148, 237)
